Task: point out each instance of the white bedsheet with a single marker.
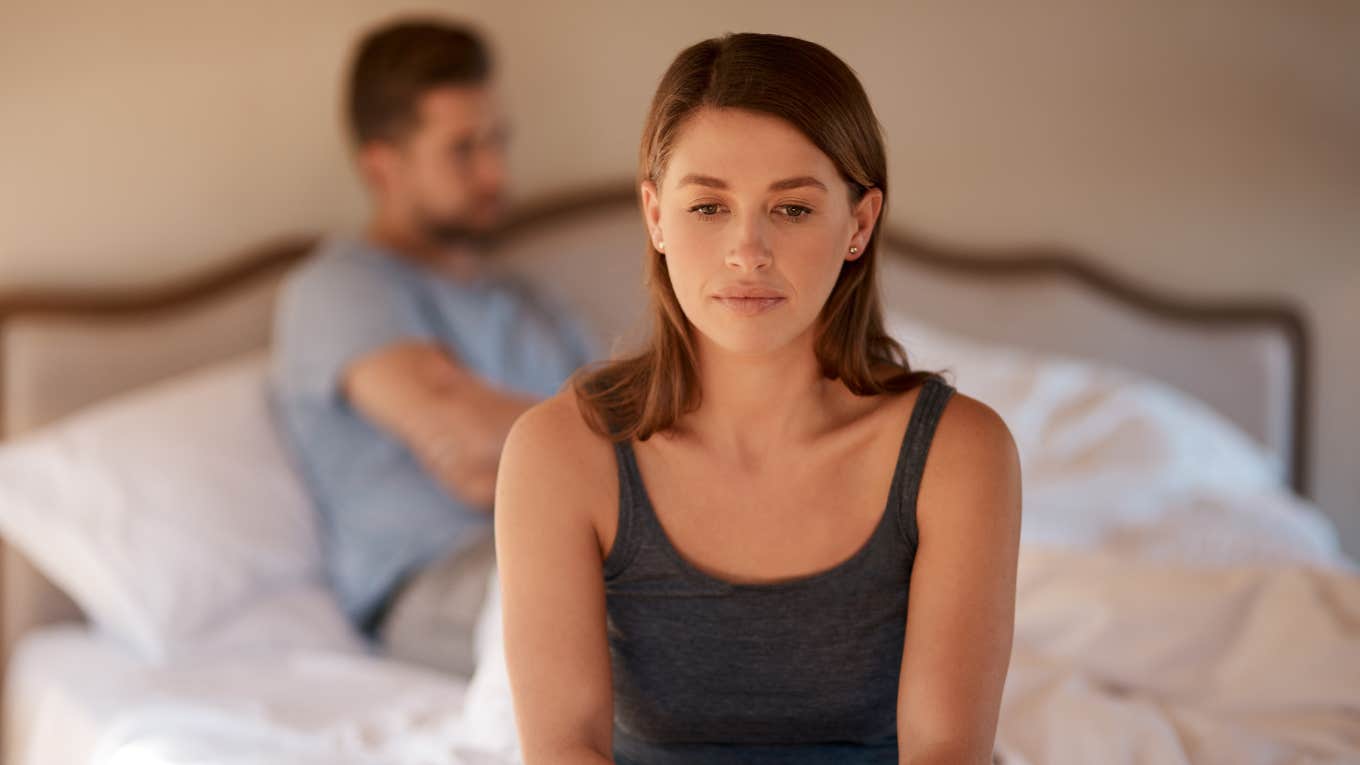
(1116, 659)
(77, 697)
(63, 684)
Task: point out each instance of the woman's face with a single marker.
(754, 222)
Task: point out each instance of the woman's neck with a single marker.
(751, 405)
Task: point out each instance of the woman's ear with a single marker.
(865, 213)
(651, 211)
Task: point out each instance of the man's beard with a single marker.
(451, 234)
(458, 232)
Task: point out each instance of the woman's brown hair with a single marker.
(807, 86)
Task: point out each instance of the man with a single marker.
(401, 359)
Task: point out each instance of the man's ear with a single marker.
(377, 161)
(865, 213)
(651, 212)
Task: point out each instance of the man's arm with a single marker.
(453, 422)
(962, 612)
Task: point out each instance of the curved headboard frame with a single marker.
(1009, 263)
(1033, 262)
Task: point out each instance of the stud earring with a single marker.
(660, 246)
(854, 250)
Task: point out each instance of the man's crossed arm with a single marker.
(453, 422)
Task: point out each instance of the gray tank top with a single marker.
(796, 671)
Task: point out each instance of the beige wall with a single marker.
(1209, 148)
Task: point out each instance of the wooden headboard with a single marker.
(62, 350)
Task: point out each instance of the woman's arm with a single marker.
(554, 472)
(961, 612)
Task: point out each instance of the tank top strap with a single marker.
(636, 521)
(911, 459)
(632, 520)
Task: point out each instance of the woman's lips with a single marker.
(749, 305)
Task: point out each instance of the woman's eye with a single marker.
(705, 211)
(794, 212)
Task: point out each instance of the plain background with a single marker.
(1211, 149)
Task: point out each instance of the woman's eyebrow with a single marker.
(796, 183)
(784, 185)
(702, 180)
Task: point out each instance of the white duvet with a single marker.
(1175, 605)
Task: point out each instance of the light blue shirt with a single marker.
(382, 515)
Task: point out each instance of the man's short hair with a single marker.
(398, 62)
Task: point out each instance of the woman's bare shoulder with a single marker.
(971, 431)
(973, 462)
(560, 419)
(552, 451)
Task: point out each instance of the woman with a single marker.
(696, 560)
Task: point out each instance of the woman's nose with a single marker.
(751, 250)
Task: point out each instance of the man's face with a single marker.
(446, 177)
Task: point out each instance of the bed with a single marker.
(1180, 599)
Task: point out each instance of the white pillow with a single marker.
(1078, 419)
(173, 517)
(1112, 457)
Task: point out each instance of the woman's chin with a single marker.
(750, 340)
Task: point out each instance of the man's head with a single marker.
(428, 130)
